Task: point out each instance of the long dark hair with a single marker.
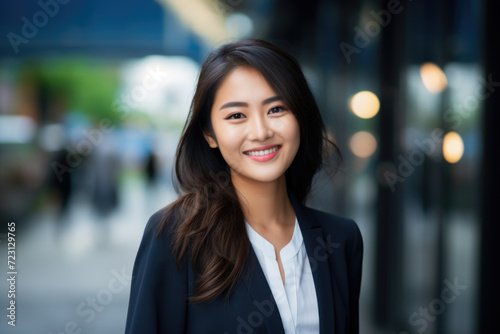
(207, 219)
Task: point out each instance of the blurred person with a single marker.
(62, 184)
(151, 167)
(105, 169)
(238, 252)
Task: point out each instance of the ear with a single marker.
(210, 138)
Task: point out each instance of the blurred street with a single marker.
(58, 269)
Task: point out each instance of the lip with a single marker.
(266, 157)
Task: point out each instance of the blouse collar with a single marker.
(286, 253)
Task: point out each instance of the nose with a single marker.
(259, 129)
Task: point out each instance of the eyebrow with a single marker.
(244, 104)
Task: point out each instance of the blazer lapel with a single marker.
(260, 292)
(314, 241)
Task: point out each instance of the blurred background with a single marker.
(94, 94)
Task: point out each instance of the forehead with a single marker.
(245, 83)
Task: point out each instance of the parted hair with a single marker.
(206, 220)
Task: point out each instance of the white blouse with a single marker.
(296, 299)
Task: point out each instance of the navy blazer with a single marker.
(158, 291)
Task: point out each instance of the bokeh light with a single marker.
(433, 78)
(239, 25)
(365, 104)
(453, 147)
(363, 144)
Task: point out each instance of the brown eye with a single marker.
(235, 116)
(276, 110)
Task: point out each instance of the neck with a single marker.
(264, 203)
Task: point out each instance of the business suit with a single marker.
(158, 292)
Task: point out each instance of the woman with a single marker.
(238, 252)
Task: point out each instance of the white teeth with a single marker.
(265, 152)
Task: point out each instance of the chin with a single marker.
(265, 177)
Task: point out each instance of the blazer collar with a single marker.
(314, 242)
(260, 292)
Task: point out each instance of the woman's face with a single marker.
(256, 133)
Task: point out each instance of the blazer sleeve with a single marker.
(158, 292)
(354, 271)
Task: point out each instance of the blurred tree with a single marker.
(83, 85)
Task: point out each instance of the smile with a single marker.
(263, 152)
(267, 153)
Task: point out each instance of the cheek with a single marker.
(227, 139)
(222, 133)
(294, 134)
(292, 131)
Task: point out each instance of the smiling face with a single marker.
(256, 133)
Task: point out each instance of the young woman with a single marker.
(238, 252)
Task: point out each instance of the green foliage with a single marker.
(87, 86)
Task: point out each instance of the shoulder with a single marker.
(159, 286)
(156, 259)
(159, 226)
(157, 241)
